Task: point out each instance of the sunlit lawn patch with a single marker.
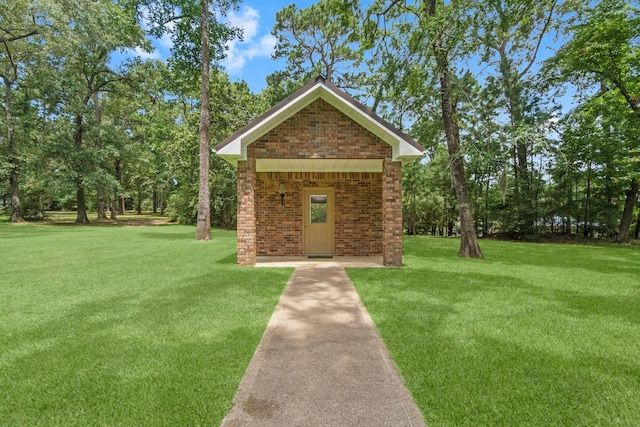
(125, 326)
(532, 335)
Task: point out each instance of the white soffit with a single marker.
(318, 165)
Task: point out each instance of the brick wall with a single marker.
(367, 206)
(246, 212)
(357, 212)
(392, 214)
(319, 131)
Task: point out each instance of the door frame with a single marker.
(306, 193)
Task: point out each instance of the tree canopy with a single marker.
(530, 110)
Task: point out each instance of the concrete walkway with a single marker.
(321, 362)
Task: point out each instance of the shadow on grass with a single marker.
(185, 235)
(599, 259)
(623, 307)
(451, 288)
(27, 230)
(110, 223)
(231, 259)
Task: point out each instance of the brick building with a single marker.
(319, 174)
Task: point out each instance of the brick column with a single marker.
(392, 213)
(247, 212)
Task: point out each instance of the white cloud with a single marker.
(165, 41)
(146, 55)
(160, 47)
(239, 53)
(247, 19)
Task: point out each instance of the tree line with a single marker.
(529, 109)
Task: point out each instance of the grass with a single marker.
(125, 326)
(532, 335)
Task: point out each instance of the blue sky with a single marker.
(249, 60)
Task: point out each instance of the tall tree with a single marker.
(431, 33)
(603, 53)
(469, 240)
(97, 31)
(203, 226)
(511, 34)
(196, 33)
(20, 29)
(320, 39)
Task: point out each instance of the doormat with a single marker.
(319, 256)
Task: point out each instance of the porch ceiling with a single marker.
(318, 165)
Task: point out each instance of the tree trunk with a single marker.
(567, 229)
(81, 217)
(587, 205)
(637, 232)
(119, 198)
(525, 209)
(577, 200)
(155, 199)
(468, 238)
(139, 200)
(627, 214)
(102, 208)
(112, 208)
(16, 211)
(523, 197)
(485, 220)
(203, 225)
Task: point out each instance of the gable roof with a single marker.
(234, 148)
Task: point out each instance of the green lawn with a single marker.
(534, 334)
(125, 326)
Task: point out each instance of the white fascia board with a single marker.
(408, 150)
(232, 149)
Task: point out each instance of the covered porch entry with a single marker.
(319, 175)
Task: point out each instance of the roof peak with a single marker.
(234, 148)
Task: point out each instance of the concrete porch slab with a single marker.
(341, 261)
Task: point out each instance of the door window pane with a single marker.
(318, 209)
